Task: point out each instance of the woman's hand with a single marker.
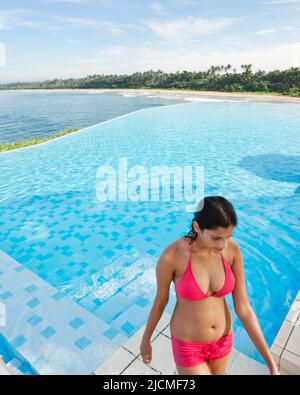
(146, 351)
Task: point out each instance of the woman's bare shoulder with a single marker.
(233, 245)
(232, 249)
(177, 247)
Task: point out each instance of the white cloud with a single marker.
(185, 2)
(67, 1)
(187, 28)
(156, 7)
(271, 2)
(265, 32)
(77, 1)
(71, 41)
(17, 17)
(123, 60)
(2, 54)
(127, 60)
(112, 28)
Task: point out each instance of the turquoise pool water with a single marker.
(104, 257)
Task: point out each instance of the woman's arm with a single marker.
(164, 276)
(245, 312)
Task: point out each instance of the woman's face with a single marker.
(215, 239)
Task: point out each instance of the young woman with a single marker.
(205, 265)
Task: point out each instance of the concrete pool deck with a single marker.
(286, 346)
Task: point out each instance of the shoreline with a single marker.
(185, 94)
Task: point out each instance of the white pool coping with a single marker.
(286, 346)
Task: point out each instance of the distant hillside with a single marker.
(217, 78)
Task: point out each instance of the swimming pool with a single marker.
(104, 257)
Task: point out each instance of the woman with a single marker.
(205, 265)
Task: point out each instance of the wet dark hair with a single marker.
(212, 212)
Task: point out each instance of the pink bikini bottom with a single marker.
(195, 353)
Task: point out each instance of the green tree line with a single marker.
(216, 78)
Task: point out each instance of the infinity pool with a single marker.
(103, 255)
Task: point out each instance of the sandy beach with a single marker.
(179, 94)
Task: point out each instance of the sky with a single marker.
(47, 39)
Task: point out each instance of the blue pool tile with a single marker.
(58, 296)
(16, 363)
(18, 341)
(48, 332)
(31, 288)
(82, 343)
(103, 233)
(19, 268)
(128, 327)
(152, 252)
(120, 247)
(101, 279)
(68, 253)
(33, 303)
(141, 301)
(111, 333)
(40, 362)
(34, 320)
(97, 302)
(65, 237)
(83, 264)
(6, 295)
(76, 323)
(116, 316)
(18, 239)
(41, 243)
(109, 253)
(79, 273)
(128, 224)
(81, 237)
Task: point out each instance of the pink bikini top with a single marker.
(188, 288)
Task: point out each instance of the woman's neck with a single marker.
(200, 248)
